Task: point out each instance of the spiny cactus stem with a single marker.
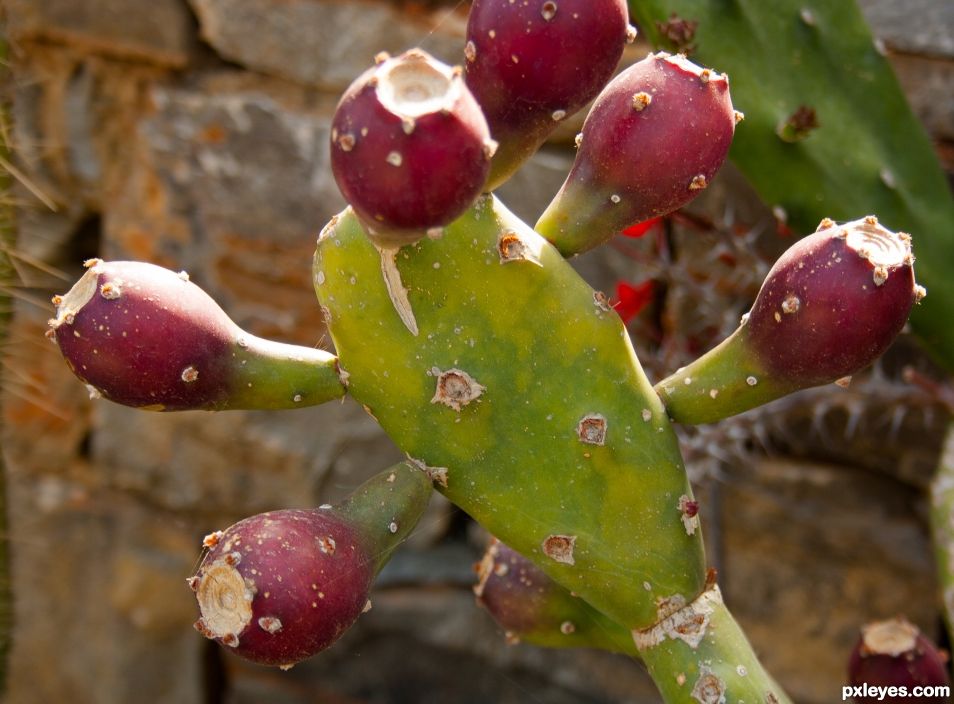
(942, 524)
(698, 654)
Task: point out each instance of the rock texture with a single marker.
(324, 43)
(164, 35)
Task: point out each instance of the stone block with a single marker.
(810, 552)
(913, 26)
(323, 43)
(102, 612)
(232, 188)
(162, 33)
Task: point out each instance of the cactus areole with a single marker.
(507, 381)
(410, 148)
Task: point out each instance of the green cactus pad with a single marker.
(522, 396)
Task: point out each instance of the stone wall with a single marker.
(193, 133)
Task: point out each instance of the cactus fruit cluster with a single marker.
(510, 384)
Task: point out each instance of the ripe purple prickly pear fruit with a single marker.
(514, 591)
(147, 337)
(895, 653)
(830, 306)
(410, 148)
(532, 64)
(655, 138)
(279, 587)
(531, 607)
(833, 302)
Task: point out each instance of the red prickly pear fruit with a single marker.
(410, 148)
(656, 137)
(147, 337)
(532, 64)
(833, 302)
(895, 654)
(513, 590)
(531, 607)
(830, 306)
(281, 586)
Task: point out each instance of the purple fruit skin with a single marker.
(636, 164)
(444, 160)
(316, 594)
(137, 348)
(513, 590)
(843, 321)
(561, 64)
(924, 666)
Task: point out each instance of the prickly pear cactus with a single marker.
(511, 385)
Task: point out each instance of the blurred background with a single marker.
(194, 134)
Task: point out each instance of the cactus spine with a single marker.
(481, 394)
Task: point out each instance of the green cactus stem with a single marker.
(149, 338)
(532, 608)
(942, 524)
(868, 153)
(697, 654)
(280, 586)
(829, 307)
(523, 393)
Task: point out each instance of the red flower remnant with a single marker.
(630, 300)
(641, 228)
